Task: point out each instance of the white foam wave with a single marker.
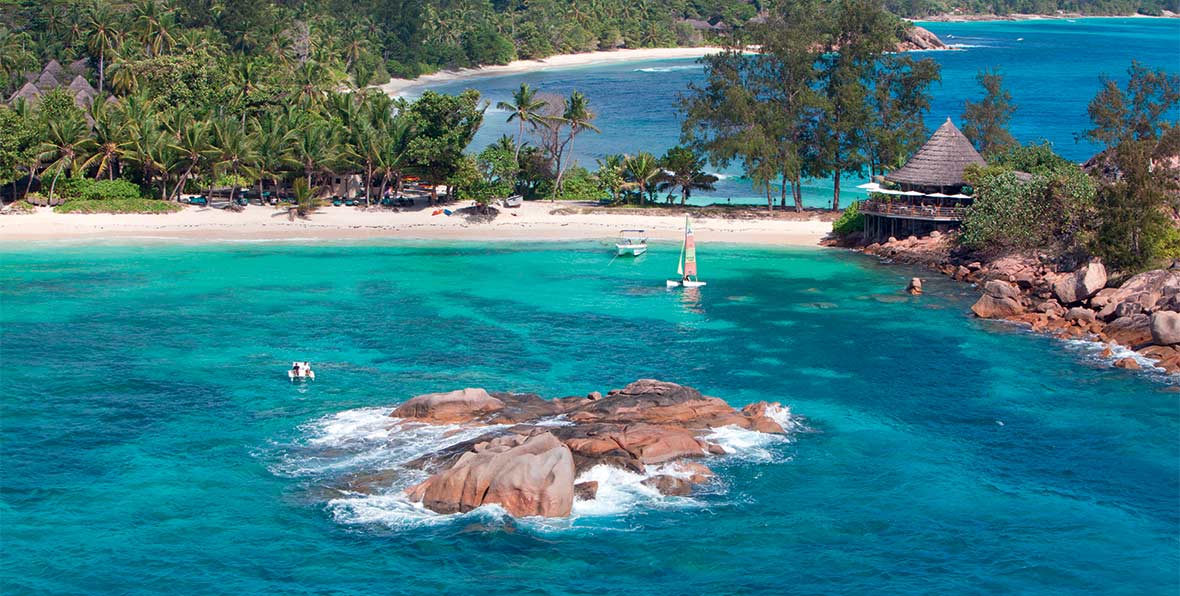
(368, 440)
(554, 421)
(754, 445)
(620, 491)
(667, 68)
(1094, 350)
(964, 46)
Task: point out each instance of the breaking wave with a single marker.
(358, 460)
(668, 68)
(1094, 351)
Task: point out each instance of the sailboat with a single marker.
(688, 261)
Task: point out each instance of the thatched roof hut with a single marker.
(54, 68)
(79, 66)
(83, 92)
(29, 92)
(940, 163)
(47, 81)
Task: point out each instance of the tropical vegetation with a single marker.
(825, 97)
(1122, 206)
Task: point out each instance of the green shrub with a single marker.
(1052, 211)
(70, 188)
(118, 206)
(851, 220)
(88, 189)
(578, 185)
(102, 190)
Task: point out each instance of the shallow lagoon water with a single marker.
(150, 441)
(1051, 67)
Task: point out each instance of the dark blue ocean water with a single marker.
(1051, 67)
(150, 442)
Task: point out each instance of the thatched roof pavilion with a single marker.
(54, 76)
(84, 93)
(938, 166)
(28, 92)
(47, 81)
(54, 68)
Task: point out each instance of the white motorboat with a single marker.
(301, 371)
(631, 243)
(688, 261)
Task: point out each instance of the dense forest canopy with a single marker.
(369, 40)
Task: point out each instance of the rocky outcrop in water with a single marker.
(919, 38)
(1141, 314)
(529, 461)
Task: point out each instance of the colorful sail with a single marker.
(690, 251)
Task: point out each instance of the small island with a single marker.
(530, 459)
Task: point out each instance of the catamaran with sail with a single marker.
(688, 261)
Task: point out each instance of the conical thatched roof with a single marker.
(79, 66)
(81, 88)
(54, 68)
(47, 81)
(941, 161)
(29, 92)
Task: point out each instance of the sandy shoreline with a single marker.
(400, 87)
(535, 221)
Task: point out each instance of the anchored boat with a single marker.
(688, 261)
(301, 371)
(632, 243)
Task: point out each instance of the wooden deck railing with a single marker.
(900, 209)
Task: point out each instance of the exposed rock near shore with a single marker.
(1142, 313)
(919, 38)
(529, 460)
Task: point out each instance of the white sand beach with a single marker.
(402, 87)
(534, 221)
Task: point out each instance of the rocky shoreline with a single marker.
(1141, 313)
(535, 449)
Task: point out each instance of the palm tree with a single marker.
(66, 146)
(151, 148)
(245, 78)
(154, 23)
(366, 147)
(578, 117)
(392, 153)
(643, 171)
(684, 169)
(231, 150)
(124, 79)
(103, 39)
(312, 147)
(270, 149)
(191, 146)
(109, 136)
(305, 198)
(525, 109)
(14, 52)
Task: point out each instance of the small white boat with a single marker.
(514, 201)
(688, 261)
(301, 371)
(632, 243)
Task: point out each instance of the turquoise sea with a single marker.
(151, 443)
(1051, 67)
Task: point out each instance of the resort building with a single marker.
(928, 193)
(72, 78)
